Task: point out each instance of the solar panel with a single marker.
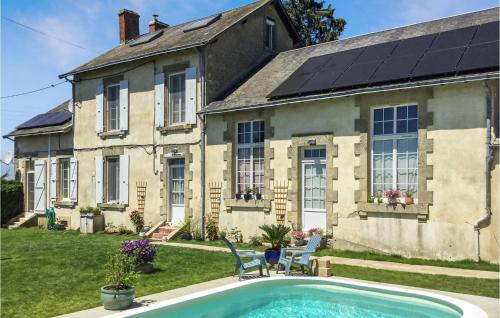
(423, 56)
(47, 119)
(453, 38)
(202, 23)
(148, 37)
(395, 68)
(415, 46)
(487, 33)
(481, 56)
(357, 74)
(376, 52)
(438, 62)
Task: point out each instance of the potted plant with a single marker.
(248, 194)
(276, 236)
(143, 252)
(186, 230)
(408, 197)
(371, 199)
(121, 275)
(257, 194)
(238, 195)
(378, 198)
(298, 238)
(392, 196)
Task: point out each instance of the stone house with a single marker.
(341, 122)
(137, 136)
(41, 144)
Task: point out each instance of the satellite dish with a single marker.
(7, 157)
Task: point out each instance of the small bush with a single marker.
(142, 250)
(211, 229)
(122, 229)
(137, 219)
(255, 240)
(121, 272)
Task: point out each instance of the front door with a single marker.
(176, 175)
(313, 188)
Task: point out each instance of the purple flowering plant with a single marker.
(391, 194)
(143, 251)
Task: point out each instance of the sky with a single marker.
(80, 30)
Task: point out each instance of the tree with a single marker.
(314, 23)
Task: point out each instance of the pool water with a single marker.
(306, 298)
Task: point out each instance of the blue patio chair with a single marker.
(300, 255)
(258, 260)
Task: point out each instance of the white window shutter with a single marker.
(99, 174)
(124, 105)
(191, 95)
(159, 100)
(124, 179)
(99, 108)
(73, 179)
(53, 179)
(40, 186)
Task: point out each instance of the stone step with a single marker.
(158, 236)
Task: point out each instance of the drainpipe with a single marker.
(49, 173)
(484, 221)
(202, 60)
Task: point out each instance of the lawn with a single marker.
(463, 285)
(51, 273)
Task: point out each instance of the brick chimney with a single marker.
(155, 24)
(129, 25)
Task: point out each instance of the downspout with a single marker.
(202, 137)
(484, 221)
(49, 172)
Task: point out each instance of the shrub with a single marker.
(12, 199)
(120, 271)
(222, 234)
(235, 235)
(122, 229)
(275, 235)
(255, 240)
(137, 220)
(211, 229)
(142, 250)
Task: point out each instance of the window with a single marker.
(269, 36)
(113, 107)
(177, 98)
(394, 149)
(113, 179)
(177, 181)
(64, 167)
(250, 156)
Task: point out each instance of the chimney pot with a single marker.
(155, 24)
(129, 25)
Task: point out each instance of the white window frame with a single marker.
(314, 161)
(30, 170)
(117, 190)
(250, 146)
(108, 121)
(61, 173)
(170, 109)
(394, 137)
(272, 24)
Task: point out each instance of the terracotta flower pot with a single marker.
(408, 200)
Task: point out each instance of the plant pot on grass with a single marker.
(275, 235)
(121, 275)
(187, 236)
(143, 252)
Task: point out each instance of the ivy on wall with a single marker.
(12, 199)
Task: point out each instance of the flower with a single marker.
(314, 231)
(391, 194)
(142, 250)
(298, 235)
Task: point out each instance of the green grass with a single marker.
(48, 273)
(465, 264)
(219, 243)
(474, 286)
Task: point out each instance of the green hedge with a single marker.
(12, 199)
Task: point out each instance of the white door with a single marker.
(176, 175)
(313, 188)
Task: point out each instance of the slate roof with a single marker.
(172, 39)
(253, 92)
(61, 110)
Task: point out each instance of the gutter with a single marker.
(484, 221)
(360, 91)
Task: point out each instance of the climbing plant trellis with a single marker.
(215, 195)
(280, 190)
(141, 195)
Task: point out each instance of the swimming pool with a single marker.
(308, 297)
